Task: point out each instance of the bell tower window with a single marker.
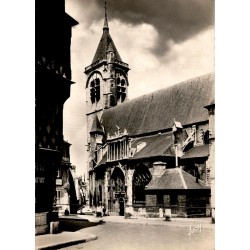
(95, 89)
(121, 88)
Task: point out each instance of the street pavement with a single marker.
(134, 236)
(64, 239)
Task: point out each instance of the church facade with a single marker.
(150, 152)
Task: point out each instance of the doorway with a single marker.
(121, 206)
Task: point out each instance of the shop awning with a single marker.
(197, 152)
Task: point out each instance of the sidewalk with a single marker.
(64, 239)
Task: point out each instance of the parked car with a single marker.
(86, 210)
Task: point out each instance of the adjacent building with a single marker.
(52, 88)
(150, 152)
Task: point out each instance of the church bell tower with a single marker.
(107, 79)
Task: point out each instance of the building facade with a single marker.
(52, 88)
(150, 152)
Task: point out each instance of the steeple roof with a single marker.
(96, 126)
(106, 44)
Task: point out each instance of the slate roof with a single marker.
(103, 160)
(105, 43)
(156, 145)
(175, 178)
(197, 152)
(156, 111)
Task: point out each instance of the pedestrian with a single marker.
(104, 210)
(99, 211)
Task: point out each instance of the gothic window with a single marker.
(141, 178)
(118, 180)
(95, 88)
(121, 88)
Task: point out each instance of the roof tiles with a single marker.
(156, 111)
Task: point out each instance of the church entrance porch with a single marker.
(117, 193)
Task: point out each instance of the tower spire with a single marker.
(105, 26)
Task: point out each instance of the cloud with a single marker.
(174, 20)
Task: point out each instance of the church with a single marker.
(152, 152)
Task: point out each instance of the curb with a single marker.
(67, 244)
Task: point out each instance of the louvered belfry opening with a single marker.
(95, 90)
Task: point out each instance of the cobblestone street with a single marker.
(113, 236)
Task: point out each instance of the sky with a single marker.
(163, 41)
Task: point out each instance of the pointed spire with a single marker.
(105, 26)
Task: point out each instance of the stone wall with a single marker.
(41, 223)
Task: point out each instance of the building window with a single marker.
(117, 150)
(160, 199)
(118, 180)
(141, 178)
(121, 88)
(173, 200)
(58, 196)
(59, 174)
(95, 88)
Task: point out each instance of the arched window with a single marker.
(118, 180)
(95, 88)
(141, 178)
(121, 88)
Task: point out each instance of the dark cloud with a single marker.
(175, 20)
